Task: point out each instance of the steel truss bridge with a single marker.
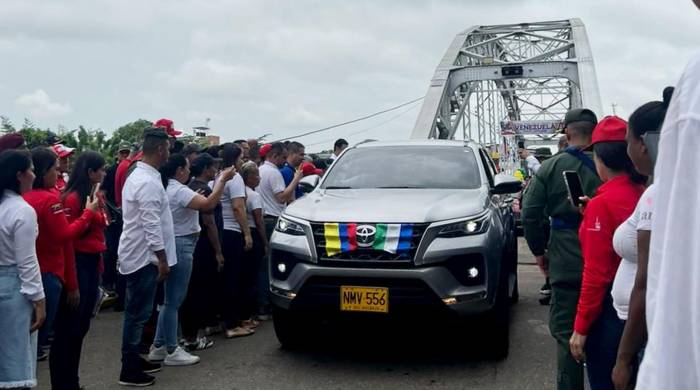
(494, 78)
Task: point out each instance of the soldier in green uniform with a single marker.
(547, 195)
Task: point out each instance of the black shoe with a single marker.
(148, 367)
(546, 289)
(136, 379)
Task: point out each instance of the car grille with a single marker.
(367, 257)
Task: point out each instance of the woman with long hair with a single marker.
(237, 238)
(54, 244)
(71, 326)
(20, 279)
(632, 241)
(597, 328)
(185, 205)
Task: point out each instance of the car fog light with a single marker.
(449, 301)
(282, 267)
(472, 226)
(473, 272)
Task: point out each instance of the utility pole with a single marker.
(614, 107)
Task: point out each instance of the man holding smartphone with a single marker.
(547, 195)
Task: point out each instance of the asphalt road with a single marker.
(416, 357)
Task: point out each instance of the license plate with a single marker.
(371, 299)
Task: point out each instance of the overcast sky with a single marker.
(284, 67)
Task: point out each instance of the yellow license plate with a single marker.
(371, 299)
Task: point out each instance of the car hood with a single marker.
(389, 205)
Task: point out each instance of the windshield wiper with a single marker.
(400, 187)
(337, 188)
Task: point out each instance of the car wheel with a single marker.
(289, 328)
(515, 294)
(497, 323)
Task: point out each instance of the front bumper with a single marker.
(434, 279)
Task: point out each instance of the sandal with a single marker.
(250, 324)
(238, 332)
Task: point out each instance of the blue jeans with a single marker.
(601, 346)
(175, 292)
(71, 325)
(17, 345)
(53, 287)
(140, 295)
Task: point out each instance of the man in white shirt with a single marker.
(672, 355)
(533, 164)
(146, 251)
(338, 148)
(275, 195)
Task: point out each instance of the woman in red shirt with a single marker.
(54, 245)
(597, 328)
(71, 326)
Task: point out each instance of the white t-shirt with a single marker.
(271, 184)
(625, 244)
(253, 202)
(533, 164)
(185, 220)
(234, 188)
(672, 355)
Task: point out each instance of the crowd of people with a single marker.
(174, 235)
(622, 269)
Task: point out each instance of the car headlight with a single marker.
(289, 227)
(467, 227)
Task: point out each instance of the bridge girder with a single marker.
(469, 87)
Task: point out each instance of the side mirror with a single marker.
(504, 183)
(308, 183)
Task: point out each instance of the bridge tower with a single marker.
(510, 80)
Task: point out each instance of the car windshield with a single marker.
(441, 167)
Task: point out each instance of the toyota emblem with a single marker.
(365, 235)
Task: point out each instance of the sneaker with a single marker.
(546, 289)
(136, 379)
(157, 354)
(148, 367)
(42, 354)
(212, 330)
(200, 344)
(180, 357)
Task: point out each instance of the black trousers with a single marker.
(253, 263)
(200, 306)
(239, 280)
(71, 325)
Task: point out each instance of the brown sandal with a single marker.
(239, 332)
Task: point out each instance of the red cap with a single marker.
(167, 125)
(308, 168)
(62, 150)
(609, 129)
(11, 141)
(264, 149)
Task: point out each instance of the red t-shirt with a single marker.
(54, 245)
(93, 240)
(613, 203)
(120, 176)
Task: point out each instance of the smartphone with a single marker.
(573, 185)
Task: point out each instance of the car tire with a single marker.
(515, 295)
(497, 323)
(289, 327)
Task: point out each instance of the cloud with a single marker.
(39, 104)
(211, 76)
(299, 115)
